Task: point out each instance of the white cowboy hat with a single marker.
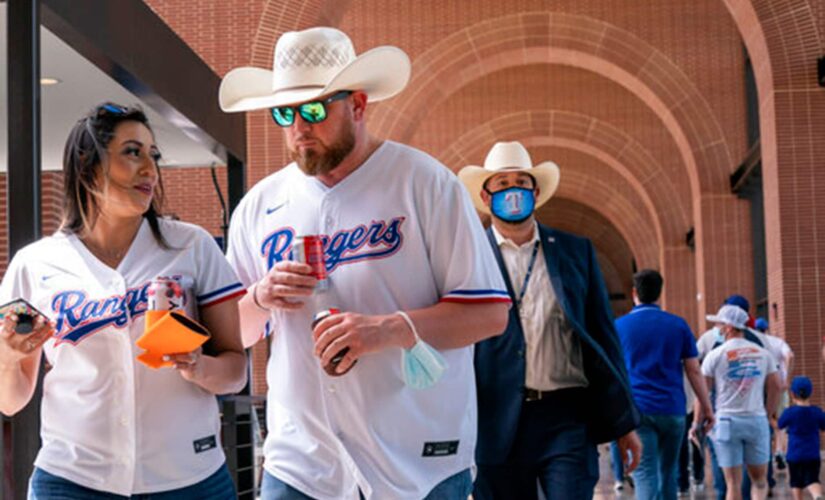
(510, 157)
(312, 63)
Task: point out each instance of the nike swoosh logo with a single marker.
(275, 208)
(46, 278)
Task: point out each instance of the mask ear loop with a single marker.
(410, 324)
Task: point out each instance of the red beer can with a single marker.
(309, 249)
(333, 363)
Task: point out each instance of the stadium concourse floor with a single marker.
(605, 491)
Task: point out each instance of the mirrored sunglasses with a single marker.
(311, 112)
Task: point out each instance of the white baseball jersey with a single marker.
(400, 233)
(109, 422)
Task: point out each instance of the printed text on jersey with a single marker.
(379, 240)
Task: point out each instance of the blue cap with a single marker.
(802, 387)
(761, 324)
(739, 301)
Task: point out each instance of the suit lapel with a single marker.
(551, 251)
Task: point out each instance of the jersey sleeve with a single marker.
(784, 349)
(821, 420)
(709, 364)
(240, 251)
(216, 281)
(705, 343)
(462, 261)
(773, 364)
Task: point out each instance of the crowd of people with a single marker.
(738, 409)
(426, 358)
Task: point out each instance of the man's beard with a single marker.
(314, 163)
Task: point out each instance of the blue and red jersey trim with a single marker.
(476, 296)
(221, 295)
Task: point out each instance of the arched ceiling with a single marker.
(612, 250)
(644, 103)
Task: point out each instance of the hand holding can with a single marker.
(331, 367)
(309, 250)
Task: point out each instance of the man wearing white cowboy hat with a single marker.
(554, 384)
(406, 261)
(745, 382)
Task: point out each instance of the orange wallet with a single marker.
(169, 332)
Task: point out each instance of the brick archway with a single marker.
(722, 256)
(592, 137)
(784, 42)
(613, 252)
(584, 42)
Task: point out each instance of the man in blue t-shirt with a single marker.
(659, 349)
(804, 422)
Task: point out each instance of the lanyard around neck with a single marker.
(529, 273)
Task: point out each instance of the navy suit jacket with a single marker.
(500, 362)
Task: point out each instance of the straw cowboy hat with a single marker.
(509, 157)
(312, 63)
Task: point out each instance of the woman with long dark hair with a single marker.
(112, 426)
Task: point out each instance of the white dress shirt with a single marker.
(553, 351)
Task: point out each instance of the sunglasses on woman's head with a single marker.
(113, 109)
(311, 112)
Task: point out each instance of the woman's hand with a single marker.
(20, 362)
(189, 365)
(15, 347)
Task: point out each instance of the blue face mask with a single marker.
(422, 366)
(513, 204)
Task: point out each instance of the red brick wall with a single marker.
(189, 194)
(784, 41)
(51, 191)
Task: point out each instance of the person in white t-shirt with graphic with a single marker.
(111, 425)
(408, 266)
(742, 373)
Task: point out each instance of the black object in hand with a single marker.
(25, 312)
(25, 323)
(332, 367)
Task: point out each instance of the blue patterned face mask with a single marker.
(513, 204)
(422, 366)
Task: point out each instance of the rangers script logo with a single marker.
(377, 241)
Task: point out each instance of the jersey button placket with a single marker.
(126, 418)
(326, 219)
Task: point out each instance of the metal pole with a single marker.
(23, 194)
(236, 181)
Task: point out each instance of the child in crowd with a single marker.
(804, 421)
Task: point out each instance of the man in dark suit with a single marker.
(554, 384)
